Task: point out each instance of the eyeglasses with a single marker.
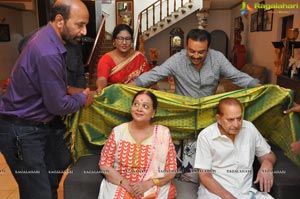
(122, 39)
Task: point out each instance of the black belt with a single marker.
(16, 120)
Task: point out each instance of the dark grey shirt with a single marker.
(75, 68)
(189, 81)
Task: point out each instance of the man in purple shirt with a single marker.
(36, 94)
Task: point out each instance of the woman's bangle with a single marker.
(156, 181)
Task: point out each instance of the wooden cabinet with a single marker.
(287, 82)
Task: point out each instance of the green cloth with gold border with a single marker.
(185, 116)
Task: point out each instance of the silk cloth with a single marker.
(185, 116)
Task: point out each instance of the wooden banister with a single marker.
(94, 55)
(99, 38)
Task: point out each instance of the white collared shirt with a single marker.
(230, 162)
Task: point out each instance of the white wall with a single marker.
(219, 20)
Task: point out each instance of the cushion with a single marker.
(84, 179)
(286, 177)
(186, 190)
(255, 71)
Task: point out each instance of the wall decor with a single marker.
(4, 33)
(268, 20)
(260, 17)
(253, 24)
(237, 23)
(124, 12)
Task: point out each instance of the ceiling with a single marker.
(220, 4)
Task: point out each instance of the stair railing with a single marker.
(155, 13)
(93, 58)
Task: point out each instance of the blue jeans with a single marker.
(36, 155)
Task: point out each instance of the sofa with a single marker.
(84, 179)
(83, 182)
(256, 71)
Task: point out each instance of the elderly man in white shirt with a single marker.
(225, 154)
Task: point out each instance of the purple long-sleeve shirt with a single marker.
(38, 83)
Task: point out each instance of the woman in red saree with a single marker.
(122, 64)
(139, 160)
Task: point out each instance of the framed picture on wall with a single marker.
(260, 17)
(237, 23)
(124, 12)
(268, 20)
(4, 33)
(253, 24)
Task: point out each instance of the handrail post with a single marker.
(168, 9)
(136, 33)
(153, 14)
(174, 5)
(160, 8)
(147, 22)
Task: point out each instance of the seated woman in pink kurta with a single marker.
(139, 159)
(122, 64)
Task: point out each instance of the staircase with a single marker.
(162, 14)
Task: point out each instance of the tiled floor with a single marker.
(8, 185)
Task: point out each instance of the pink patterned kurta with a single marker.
(153, 158)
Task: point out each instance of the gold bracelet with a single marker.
(155, 181)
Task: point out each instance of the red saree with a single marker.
(124, 72)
